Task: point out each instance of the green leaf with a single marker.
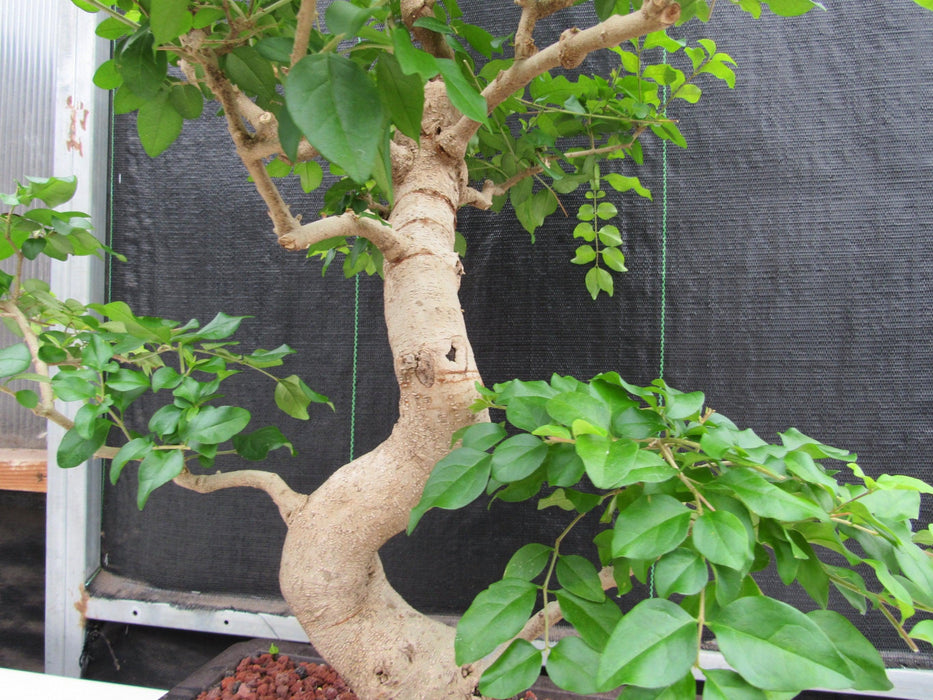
(411, 59)
(345, 18)
(158, 468)
(578, 575)
(293, 397)
(792, 8)
(650, 527)
(575, 405)
(74, 449)
(681, 571)
(583, 255)
(259, 443)
(518, 457)
(337, 108)
(134, 449)
(679, 406)
(221, 327)
(598, 280)
(14, 359)
(528, 562)
(213, 425)
(923, 630)
(54, 191)
(127, 380)
(402, 95)
(595, 621)
(463, 94)
(252, 73)
(623, 183)
(514, 671)
(724, 684)
(614, 259)
(107, 77)
(653, 646)
(187, 100)
(27, 398)
(766, 499)
(158, 124)
(864, 661)
(169, 19)
(776, 647)
(310, 174)
(143, 69)
(721, 537)
(482, 436)
(458, 479)
(572, 665)
(495, 616)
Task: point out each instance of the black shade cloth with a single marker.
(783, 267)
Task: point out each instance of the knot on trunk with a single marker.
(420, 365)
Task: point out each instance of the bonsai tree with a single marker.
(419, 113)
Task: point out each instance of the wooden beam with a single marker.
(23, 470)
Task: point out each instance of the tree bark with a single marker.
(331, 575)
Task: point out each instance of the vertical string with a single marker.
(356, 344)
(663, 239)
(663, 309)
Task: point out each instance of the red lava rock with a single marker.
(268, 677)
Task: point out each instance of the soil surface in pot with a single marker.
(277, 677)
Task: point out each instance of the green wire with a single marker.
(356, 339)
(663, 277)
(663, 242)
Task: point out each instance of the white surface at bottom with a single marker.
(24, 685)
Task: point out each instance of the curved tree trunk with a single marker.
(331, 575)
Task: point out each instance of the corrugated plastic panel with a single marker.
(27, 94)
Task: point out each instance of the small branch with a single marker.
(113, 13)
(432, 42)
(532, 11)
(307, 16)
(280, 493)
(574, 45)
(379, 234)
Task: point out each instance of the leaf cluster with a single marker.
(106, 357)
(683, 498)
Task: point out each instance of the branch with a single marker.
(307, 16)
(378, 233)
(568, 52)
(287, 500)
(532, 11)
(432, 42)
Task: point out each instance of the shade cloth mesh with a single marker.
(783, 266)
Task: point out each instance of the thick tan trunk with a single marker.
(331, 575)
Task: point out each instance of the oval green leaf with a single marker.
(495, 616)
(213, 425)
(14, 359)
(514, 671)
(721, 537)
(650, 527)
(572, 665)
(333, 102)
(653, 646)
(458, 479)
(776, 647)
